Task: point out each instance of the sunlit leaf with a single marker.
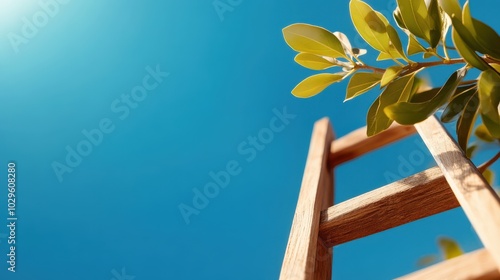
(414, 46)
(390, 74)
(414, 15)
(466, 16)
(375, 29)
(457, 105)
(427, 55)
(435, 23)
(467, 53)
(383, 56)
(315, 84)
(446, 27)
(489, 176)
(466, 121)
(483, 133)
(410, 113)
(360, 83)
(489, 96)
(449, 248)
(451, 7)
(313, 61)
(348, 49)
(399, 20)
(313, 39)
(466, 34)
(495, 66)
(484, 36)
(397, 91)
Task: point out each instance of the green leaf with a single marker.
(466, 35)
(390, 74)
(445, 28)
(427, 55)
(489, 176)
(348, 49)
(449, 248)
(451, 7)
(424, 96)
(471, 150)
(375, 29)
(399, 20)
(435, 23)
(411, 113)
(466, 121)
(313, 39)
(466, 52)
(489, 96)
(383, 56)
(315, 84)
(466, 16)
(360, 83)
(457, 105)
(395, 43)
(414, 46)
(427, 260)
(397, 91)
(483, 133)
(313, 61)
(414, 14)
(488, 38)
(485, 38)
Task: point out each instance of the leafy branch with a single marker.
(406, 97)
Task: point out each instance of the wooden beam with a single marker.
(324, 256)
(357, 143)
(477, 198)
(300, 259)
(478, 265)
(415, 197)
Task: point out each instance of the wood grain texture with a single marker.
(477, 198)
(301, 252)
(357, 143)
(324, 256)
(415, 197)
(477, 265)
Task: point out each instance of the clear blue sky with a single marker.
(84, 66)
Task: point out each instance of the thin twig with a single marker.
(487, 164)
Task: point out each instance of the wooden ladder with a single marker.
(318, 225)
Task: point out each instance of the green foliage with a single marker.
(404, 97)
(449, 249)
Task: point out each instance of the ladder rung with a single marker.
(357, 143)
(415, 197)
(475, 265)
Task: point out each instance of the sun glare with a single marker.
(12, 11)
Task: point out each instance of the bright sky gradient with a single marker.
(116, 214)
